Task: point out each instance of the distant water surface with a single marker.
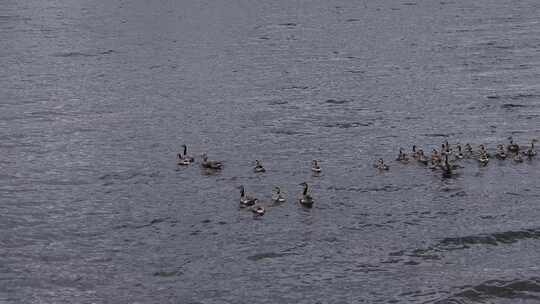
(96, 98)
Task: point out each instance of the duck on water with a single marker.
(184, 159)
(259, 167)
(211, 164)
(305, 199)
(246, 200)
(277, 197)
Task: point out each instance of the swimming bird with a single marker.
(315, 167)
(276, 196)
(258, 210)
(531, 152)
(210, 164)
(500, 154)
(435, 156)
(402, 157)
(483, 151)
(517, 158)
(483, 159)
(445, 148)
(414, 152)
(422, 158)
(182, 161)
(246, 200)
(258, 167)
(512, 147)
(186, 156)
(381, 165)
(306, 199)
(447, 168)
(468, 150)
(459, 154)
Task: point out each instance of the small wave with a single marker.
(528, 116)
(517, 96)
(436, 135)
(510, 106)
(338, 101)
(268, 255)
(465, 242)
(519, 289)
(295, 87)
(166, 273)
(73, 54)
(386, 188)
(151, 223)
(348, 125)
(82, 54)
(287, 132)
(288, 24)
(277, 102)
(109, 178)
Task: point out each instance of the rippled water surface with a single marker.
(96, 98)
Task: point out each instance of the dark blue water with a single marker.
(96, 98)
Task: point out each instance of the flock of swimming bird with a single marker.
(446, 160)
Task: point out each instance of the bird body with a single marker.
(402, 157)
(305, 199)
(277, 197)
(459, 154)
(315, 167)
(185, 156)
(447, 168)
(531, 152)
(381, 165)
(258, 210)
(180, 160)
(210, 164)
(246, 200)
(422, 158)
(259, 167)
(512, 147)
(500, 154)
(483, 159)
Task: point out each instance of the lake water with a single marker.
(96, 98)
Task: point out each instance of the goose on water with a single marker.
(500, 154)
(315, 167)
(305, 199)
(483, 159)
(531, 152)
(186, 156)
(180, 160)
(422, 158)
(512, 147)
(258, 167)
(277, 197)
(246, 200)
(459, 154)
(381, 165)
(402, 157)
(211, 164)
(258, 210)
